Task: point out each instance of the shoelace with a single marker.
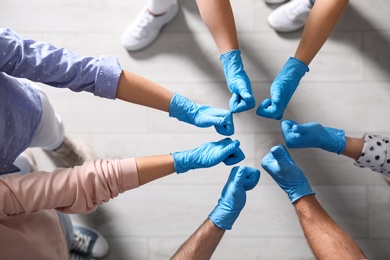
(298, 10)
(141, 26)
(80, 242)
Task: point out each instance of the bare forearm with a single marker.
(325, 237)
(353, 147)
(319, 25)
(219, 19)
(154, 167)
(138, 90)
(202, 244)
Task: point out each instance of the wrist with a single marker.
(302, 190)
(180, 162)
(232, 63)
(223, 217)
(230, 55)
(181, 108)
(297, 67)
(336, 142)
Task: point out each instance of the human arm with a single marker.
(219, 19)
(321, 21)
(202, 244)
(82, 188)
(313, 135)
(319, 25)
(325, 237)
(370, 151)
(103, 76)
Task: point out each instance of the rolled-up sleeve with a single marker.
(375, 154)
(58, 67)
(74, 190)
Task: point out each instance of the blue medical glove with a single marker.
(238, 82)
(202, 116)
(282, 89)
(313, 135)
(208, 155)
(279, 164)
(233, 198)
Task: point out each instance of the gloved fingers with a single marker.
(221, 119)
(246, 95)
(269, 109)
(289, 133)
(248, 177)
(231, 153)
(225, 129)
(235, 104)
(224, 142)
(275, 159)
(238, 104)
(303, 128)
(282, 156)
(279, 152)
(287, 125)
(235, 157)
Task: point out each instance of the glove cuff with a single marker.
(182, 108)
(223, 218)
(295, 68)
(227, 56)
(231, 62)
(304, 189)
(180, 163)
(337, 141)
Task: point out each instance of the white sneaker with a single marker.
(72, 153)
(146, 28)
(290, 17)
(274, 1)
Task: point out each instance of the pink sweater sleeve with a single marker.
(73, 190)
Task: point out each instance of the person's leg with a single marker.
(26, 162)
(291, 16)
(50, 136)
(145, 29)
(50, 132)
(67, 226)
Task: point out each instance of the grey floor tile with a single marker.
(346, 87)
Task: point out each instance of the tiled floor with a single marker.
(347, 87)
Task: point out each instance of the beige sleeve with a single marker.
(71, 190)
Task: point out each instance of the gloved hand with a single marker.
(313, 135)
(279, 164)
(202, 116)
(208, 155)
(233, 198)
(238, 82)
(282, 89)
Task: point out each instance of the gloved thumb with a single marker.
(299, 128)
(231, 148)
(245, 95)
(280, 153)
(287, 125)
(252, 177)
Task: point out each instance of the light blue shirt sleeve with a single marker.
(58, 67)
